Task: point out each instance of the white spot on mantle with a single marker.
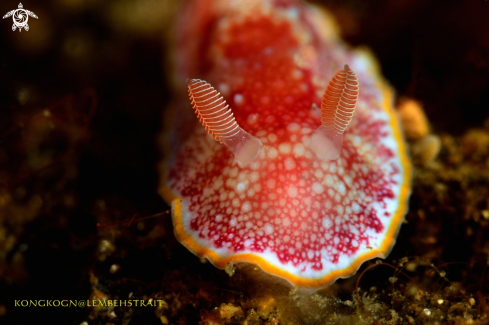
(293, 127)
(318, 188)
(292, 191)
(286, 222)
(299, 149)
(327, 223)
(284, 148)
(238, 99)
(355, 207)
(246, 207)
(289, 163)
(268, 228)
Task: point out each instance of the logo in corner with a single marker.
(20, 16)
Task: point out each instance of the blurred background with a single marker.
(81, 100)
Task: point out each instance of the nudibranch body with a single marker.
(293, 213)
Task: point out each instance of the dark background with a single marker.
(101, 163)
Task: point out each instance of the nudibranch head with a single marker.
(291, 211)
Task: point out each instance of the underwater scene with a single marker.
(244, 162)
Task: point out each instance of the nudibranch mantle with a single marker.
(292, 213)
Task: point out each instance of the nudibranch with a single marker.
(304, 193)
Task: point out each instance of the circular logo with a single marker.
(20, 18)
